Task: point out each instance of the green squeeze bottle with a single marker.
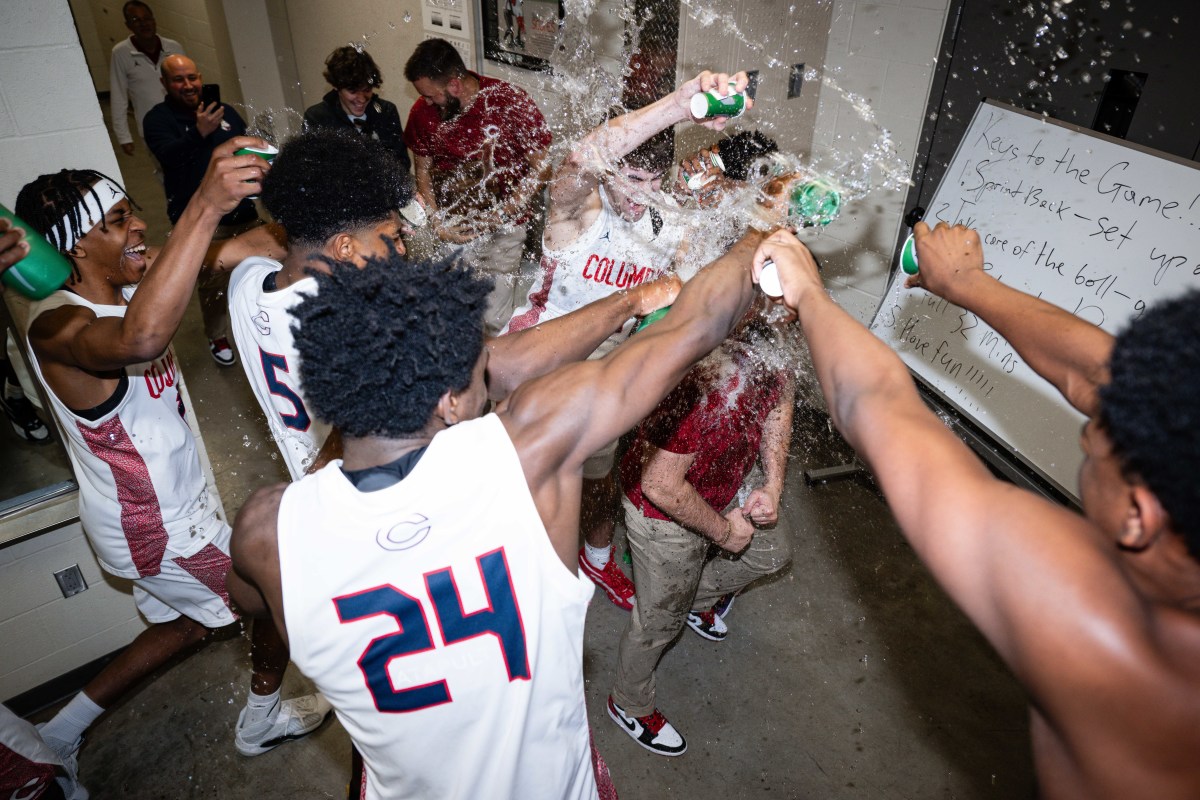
(42, 271)
(908, 256)
(651, 318)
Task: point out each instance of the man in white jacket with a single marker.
(133, 74)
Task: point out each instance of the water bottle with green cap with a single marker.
(42, 271)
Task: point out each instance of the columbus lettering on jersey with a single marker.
(621, 274)
(160, 375)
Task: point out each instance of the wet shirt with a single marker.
(141, 487)
(716, 415)
(612, 255)
(502, 124)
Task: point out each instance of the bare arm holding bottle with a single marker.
(1070, 353)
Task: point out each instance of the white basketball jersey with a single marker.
(613, 254)
(141, 487)
(438, 620)
(262, 328)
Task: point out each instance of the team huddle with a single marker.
(460, 451)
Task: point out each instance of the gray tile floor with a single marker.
(849, 676)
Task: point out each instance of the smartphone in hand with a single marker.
(210, 93)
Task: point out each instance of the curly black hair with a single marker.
(50, 205)
(351, 67)
(329, 180)
(739, 151)
(435, 59)
(379, 345)
(1149, 407)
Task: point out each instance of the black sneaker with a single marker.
(24, 419)
(652, 732)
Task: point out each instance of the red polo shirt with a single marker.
(717, 413)
(500, 113)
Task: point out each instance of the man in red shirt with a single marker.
(480, 149)
(685, 476)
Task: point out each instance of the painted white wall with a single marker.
(770, 31)
(262, 50)
(48, 107)
(884, 51)
(387, 29)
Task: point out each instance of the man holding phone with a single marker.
(182, 132)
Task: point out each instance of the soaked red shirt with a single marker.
(718, 417)
(501, 115)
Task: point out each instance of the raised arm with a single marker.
(557, 421)
(526, 354)
(1035, 578)
(74, 336)
(579, 408)
(268, 241)
(579, 175)
(1070, 353)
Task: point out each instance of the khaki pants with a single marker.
(499, 254)
(672, 577)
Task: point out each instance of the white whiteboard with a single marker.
(1092, 224)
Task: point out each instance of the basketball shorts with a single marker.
(193, 587)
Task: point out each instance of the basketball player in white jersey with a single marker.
(103, 353)
(337, 196)
(428, 582)
(602, 236)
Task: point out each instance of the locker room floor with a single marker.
(851, 675)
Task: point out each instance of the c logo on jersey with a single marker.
(261, 321)
(404, 535)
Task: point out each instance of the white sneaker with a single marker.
(652, 731)
(72, 789)
(295, 719)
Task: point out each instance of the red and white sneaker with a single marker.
(652, 732)
(708, 625)
(611, 579)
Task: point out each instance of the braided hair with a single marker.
(51, 203)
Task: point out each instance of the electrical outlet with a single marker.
(752, 86)
(795, 81)
(70, 581)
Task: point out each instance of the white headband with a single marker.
(90, 213)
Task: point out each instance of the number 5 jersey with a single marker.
(261, 318)
(437, 618)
